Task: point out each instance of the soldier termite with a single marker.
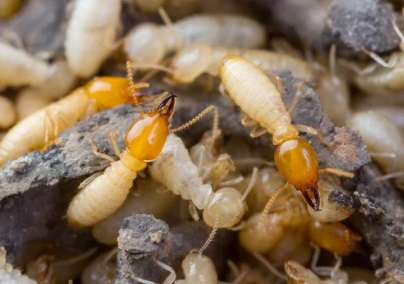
(42, 127)
(260, 100)
(144, 140)
(90, 34)
(149, 43)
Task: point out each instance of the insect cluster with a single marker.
(287, 203)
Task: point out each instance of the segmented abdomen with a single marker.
(102, 196)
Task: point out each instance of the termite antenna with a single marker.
(133, 86)
(271, 202)
(211, 236)
(269, 266)
(198, 117)
(251, 184)
(167, 21)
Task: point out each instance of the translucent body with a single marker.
(191, 61)
(10, 275)
(198, 269)
(383, 81)
(90, 34)
(8, 8)
(380, 136)
(175, 169)
(8, 113)
(105, 194)
(101, 270)
(334, 237)
(336, 204)
(148, 43)
(263, 237)
(334, 97)
(30, 133)
(17, 67)
(394, 113)
(148, 200)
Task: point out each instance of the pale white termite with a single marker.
(20, 68)
(383, 140)
(9, 8)
(39, 129)
(193, 60)
(10, 275)
(149, 43)
(383, 78)
(91, 34)
(175, 169)
(27, 102)
(8, 113)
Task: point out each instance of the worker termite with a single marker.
(28, 102)
(193, 60)
(42, 127)
(17, 67)
(388, 153)
(8, 8)
(149, 43)
(174, 168)
(150, 198)
(383, 78)
(10, 275)
(8, 113)
(90, 34)
(144, 141)
(260, 100)
(333, 92)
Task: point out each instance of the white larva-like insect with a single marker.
(20, 68)
(10, 275)
(384, 140)
(149, 43)
(8, 114)
(28, 102)
(175, 169)
(191, 61)
(91, 34)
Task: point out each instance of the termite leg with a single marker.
(389, 176)
(231, 182)
(269, 266)
(99, 154)
(247, 121)
(278, 83)
(297, 97)
(114, 143)
(88, 180)
(257, 131)
(390, 64)
(193, 211)
(172, 276)
(387, 155)
(337, 172)
(398, 32)
(311, 130)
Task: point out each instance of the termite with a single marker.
(28, 102)
(8, 113)
(383, 78)
(40, 128)
(174, 168)
(101, 270)
(90, 34)
(149, 43)
(8, 8)
(20, 68)
(144, 140)
(260, 100)
(388, 153)
(191, 61)
(8, 274)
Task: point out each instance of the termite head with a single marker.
(297, 162)
(147, 135)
